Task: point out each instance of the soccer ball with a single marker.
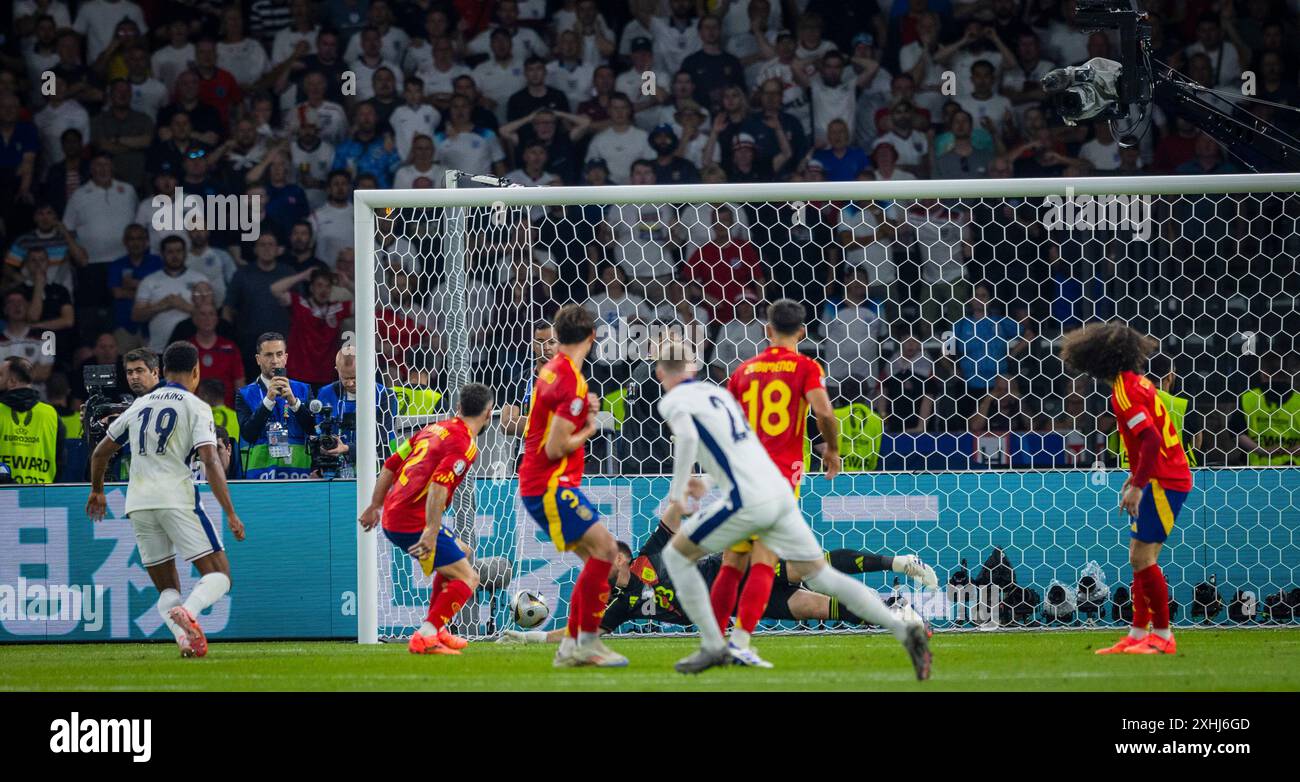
(529, 609)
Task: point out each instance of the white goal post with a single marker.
(447, 217)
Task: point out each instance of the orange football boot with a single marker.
(1123, 645)
(427, 644)
(1154, 644)
(451, 641)
(198, 642)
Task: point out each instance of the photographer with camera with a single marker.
(274, 417)
(31, 432)
(338, 412)
(101, 407)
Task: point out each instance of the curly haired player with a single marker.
(1160, 478)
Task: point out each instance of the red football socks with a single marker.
(1141, 611)
(753, 599)
(592, 591)
(438, 583)
(723, 594)
(1156, 591)
(451, 598)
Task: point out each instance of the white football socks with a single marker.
(739, 638)
(585, 637)
(427, 629)
(167, 600)
(209, 590)
(1164, 633)
(1137, 633)
(693, 594)
(855, 595)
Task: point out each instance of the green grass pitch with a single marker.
(1044, 661)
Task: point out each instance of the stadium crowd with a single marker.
(933, 318)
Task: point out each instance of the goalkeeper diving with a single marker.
(641, 590)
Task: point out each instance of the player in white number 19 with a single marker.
(164, 429)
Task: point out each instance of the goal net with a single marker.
(935, 307)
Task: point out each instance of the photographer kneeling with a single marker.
(274, 419)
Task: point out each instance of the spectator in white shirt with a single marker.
(853, 334)
(243, 57)
(440, 73)
(523, 40)
(1103, 150)
(835, 93)
(642, 235)
(169, 61)
(597, 39)
(312, 158)
(422, 171)
(568, 72)
(393, 40)
(326, 115)
(614, 307)
(464, 146)
(415, 117)
(912, 146)
(370, 60)
(1225, 60)
(501, 75)
(100, 210)
(97, 21)
(212, 262)
(333, 220)
(58, 115)
(301, 28)
(622, 143)
(984, 105)
(164, 298)
(674, 39)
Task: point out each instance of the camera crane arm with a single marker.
(1117, 90)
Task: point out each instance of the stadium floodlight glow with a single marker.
(447, 280)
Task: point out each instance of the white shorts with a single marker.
(777, 522)
(161, 533)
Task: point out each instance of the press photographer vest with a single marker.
(224, 416)
(1271, 424)
(258, 462)
(29, 441)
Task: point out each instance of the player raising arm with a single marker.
(163, 429)
(777, 389)
(413, 490)
(710, 427)
(1159, 479)
(561, 418)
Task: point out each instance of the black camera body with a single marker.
(101, 406)
(326, 438)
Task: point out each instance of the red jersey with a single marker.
(440, 453)
(222, 362)
(773, 389)
(1137, 408)
(314, 331)
(559, 391)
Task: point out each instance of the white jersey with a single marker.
(163, 429)
(709, 427)
(756, 502)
